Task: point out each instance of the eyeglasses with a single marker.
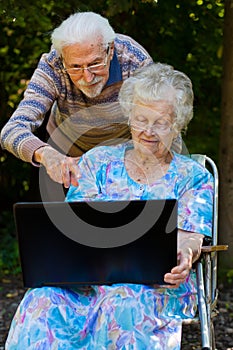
(157, 128)
(94, 68)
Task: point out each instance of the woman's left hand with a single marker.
(179, 273)
(189, 249)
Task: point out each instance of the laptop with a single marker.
(83, 243)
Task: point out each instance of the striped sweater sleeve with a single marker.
(17, 135)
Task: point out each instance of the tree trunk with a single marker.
(226, 142)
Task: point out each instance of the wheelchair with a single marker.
(206, 269)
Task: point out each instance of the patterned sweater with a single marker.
(76, 123)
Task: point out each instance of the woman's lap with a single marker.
(104, 317)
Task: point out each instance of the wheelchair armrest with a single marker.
(213, 248)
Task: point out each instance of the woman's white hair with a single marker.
(81, 27)
(157, 82)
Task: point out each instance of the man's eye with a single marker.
(93, 64)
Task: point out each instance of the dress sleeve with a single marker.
(89, 187)
(195, 204)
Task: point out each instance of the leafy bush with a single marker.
(9, 254)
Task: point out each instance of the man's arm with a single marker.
(17, 136)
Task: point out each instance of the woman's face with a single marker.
(152, 127)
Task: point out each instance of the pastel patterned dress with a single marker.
(119, 316)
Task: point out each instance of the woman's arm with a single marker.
(189, 250)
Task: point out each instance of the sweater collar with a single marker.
(115, 74)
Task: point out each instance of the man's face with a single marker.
(94, 61)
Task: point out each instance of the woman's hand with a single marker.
(60, 168)
(189, 250)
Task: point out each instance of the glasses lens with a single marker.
(157, 128)
(93, 69)
(74, 71)
(96, 68)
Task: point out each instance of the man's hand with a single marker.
(60, 168)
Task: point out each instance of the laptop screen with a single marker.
(96, 242)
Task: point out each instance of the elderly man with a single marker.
(77, 82)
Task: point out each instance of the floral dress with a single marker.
(119, 316)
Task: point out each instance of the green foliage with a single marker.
(14, 180)
(185, 34)
(230, 276)
(225, 275)
(9, 254)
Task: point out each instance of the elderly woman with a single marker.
(159, 102)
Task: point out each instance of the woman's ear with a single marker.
(176, 132)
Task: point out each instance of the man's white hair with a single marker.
(82, 27)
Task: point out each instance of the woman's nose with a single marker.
(150, 130)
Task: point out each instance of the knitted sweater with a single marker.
(76, 123)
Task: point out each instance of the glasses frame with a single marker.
(80, 71)
(162, 129)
